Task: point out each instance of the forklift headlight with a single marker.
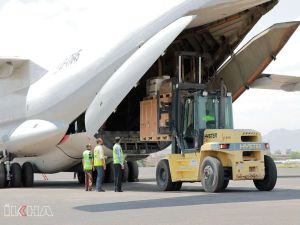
(204, 93)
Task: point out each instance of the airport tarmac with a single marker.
(60, 200)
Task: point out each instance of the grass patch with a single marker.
(288, 165)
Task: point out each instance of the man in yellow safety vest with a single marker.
(99, 164)
(87, 162)
(118, 164)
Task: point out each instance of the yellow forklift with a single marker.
(205, 147)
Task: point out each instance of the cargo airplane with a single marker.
(48, 116)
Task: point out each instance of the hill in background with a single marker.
(283, 140)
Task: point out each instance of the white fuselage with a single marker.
(35, 118)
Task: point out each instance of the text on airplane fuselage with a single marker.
(73, 58)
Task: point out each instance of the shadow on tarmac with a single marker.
(232, 195)
(141, 185)
(292, 176)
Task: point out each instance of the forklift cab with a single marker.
(202, 110)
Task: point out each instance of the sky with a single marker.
(48, 30)
(266, 110)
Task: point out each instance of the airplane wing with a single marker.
(249, 62)
(8, 66)
(18, 73)
(277, 82)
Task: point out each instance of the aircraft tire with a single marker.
(81, 177)
(94, 176)
(133, 171)
(16, 175)
(125, 172)
(27, 174)
(269, 181)
(3, 181)
(109, 176)
(163, 176)
(212, 174)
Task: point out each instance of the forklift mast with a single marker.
(195, 91)
(182, 87)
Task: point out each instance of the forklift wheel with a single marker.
(269, 182)
(212, 173)
(163, 176)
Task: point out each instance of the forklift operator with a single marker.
(209, 119)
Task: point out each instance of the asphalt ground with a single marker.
(59, 199)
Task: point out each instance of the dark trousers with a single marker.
(118, 177)
(88, 180)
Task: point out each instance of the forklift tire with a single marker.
(212, 173)
(163, 176)
(269, 182)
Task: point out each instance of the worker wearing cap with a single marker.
(99, 164)
(118, 159)
(87, 162)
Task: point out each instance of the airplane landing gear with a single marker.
(133, 171)
(16, 174)
(3, 180)
(5, 175)
(13, 175)
(27, 174)
(80, 177)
